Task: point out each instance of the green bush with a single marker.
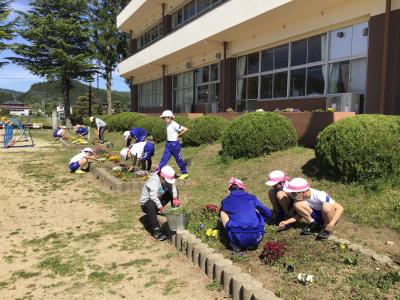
(257, 134)
(123, 121)
(205, 130)
(155, 127)
(183, 121)
(361, 148)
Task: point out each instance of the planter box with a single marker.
(114, 184)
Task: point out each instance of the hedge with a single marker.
(257, 134)
(204, 130)
(361, 148)
(123, 121)
(155, 127)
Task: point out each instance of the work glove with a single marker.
(176, 202)
(161, 210)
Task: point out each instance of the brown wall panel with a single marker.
(309, 104)
(134, 98)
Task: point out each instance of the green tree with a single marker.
(117, 107)
(57, 48)
(81, 107)
(6, 27)
(109, 45)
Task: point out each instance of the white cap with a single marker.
(296, 185)
(91, 119)
(124, 153)
(127, 135)
(275, 177)
(169, 174)
(167, 114)
(87, 150)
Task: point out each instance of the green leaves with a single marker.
(6, 27)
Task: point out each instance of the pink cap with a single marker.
(276, 177)
(297, 185)
(237, 182)
(169, 174)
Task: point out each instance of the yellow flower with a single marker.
(209, 232)
(215, 233)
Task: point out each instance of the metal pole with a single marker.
(385, 57)
(90, 99)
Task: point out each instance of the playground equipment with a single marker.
(21, 134)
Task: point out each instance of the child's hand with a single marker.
(176, 202)
(283, 224)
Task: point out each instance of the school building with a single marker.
(209, 56)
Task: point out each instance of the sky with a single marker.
(17, 78)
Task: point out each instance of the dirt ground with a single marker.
(60, 238)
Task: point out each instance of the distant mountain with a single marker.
(51, 92)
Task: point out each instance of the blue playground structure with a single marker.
(22, 134)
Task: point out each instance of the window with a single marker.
(183, 90)
(192, 10)
(150, 94)
(152, 35)
(207, 84)
(305, 68)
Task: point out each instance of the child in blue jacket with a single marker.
(243, 217)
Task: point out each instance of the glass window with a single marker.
(339, 77)
(252, 87)
(241, 89)
(241, 66)
(214, 92)
(266, 86)
(267, 60)
(358, 79)
(316, 80)
(299, 53)
(214, 72)
(202, 93)
(253, 63)
(317, 48)
(298, 82)
(280, 84)
(189, 10)
(202, 75)
(281, 57)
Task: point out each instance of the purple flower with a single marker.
(201, 226)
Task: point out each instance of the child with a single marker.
(140, 135)
(143, 151)
(243, 217)
(80, 160)
(316, 207)
(173, 146)
(101, 128)
(281, 202)
(60, 132)
(158, 190)
(81, 131)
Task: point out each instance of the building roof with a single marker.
(13, 103)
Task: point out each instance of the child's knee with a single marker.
(327, 208)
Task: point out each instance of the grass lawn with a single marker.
(338, 272)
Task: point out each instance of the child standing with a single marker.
(316, 207)
(173, 146)
(101, 128)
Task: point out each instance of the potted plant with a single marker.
(176, 218)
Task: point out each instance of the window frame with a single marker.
(209, 83)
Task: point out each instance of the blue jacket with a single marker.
(241, 208)
(140, 134)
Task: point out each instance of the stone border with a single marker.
(383, 259)
(239, 285)
(113, 183)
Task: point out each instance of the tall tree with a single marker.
(57, 48)
(109, 45)
(6, 26)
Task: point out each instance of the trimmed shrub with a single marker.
(257, 134)
(155, 127)
(123, 121)
(205, 130)
(183, 121)
(360, 148)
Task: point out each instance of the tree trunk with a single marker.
(67, 105)
(109, 90)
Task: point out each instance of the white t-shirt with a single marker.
(59, 132)
(318, 198)
(173, 130)
(137, 149)
(77, 157)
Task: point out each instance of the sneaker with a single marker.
(310, 228)
(323, 234)
(80, 172)
(183, 176)
(159, 236)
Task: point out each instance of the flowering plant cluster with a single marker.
(212, 208)
(272, 251)
(113, 157)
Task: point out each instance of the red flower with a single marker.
(272, 251)
(212, 208)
